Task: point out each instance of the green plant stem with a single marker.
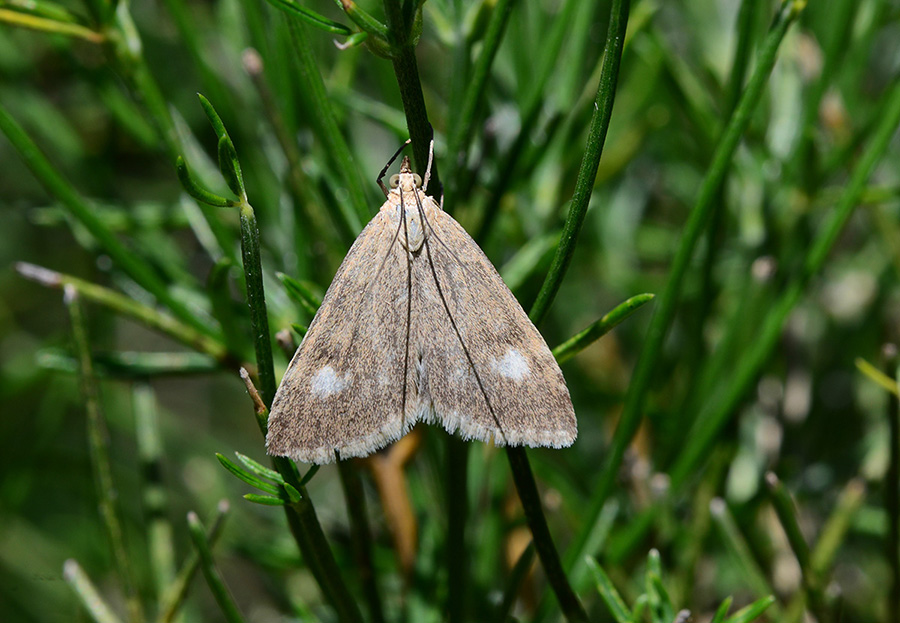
(835, 529)
(518, 459)
(307, 531)
(601, 327)
(714, 416)
(326, 122)
(213, 577)
(156, 503)
(400, 23)
(361, 535)
(301, 516)
(457, 511)
(587, 173)
(42, 24)
(66, 194)
(736, 543)
(475, 90)
(892, 493)
(129, 307)
(256, 299)
(664, 310)
(132, 365)
(514, 584)
(98, 441)
(547, 62)
(543, 542)
(711, 419)
(787, 516)
(175, 594)
(87, 593)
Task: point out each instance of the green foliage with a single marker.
(711, 190)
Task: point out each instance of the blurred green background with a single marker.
(108, 94)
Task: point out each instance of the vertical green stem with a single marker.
(666, 303)
(333, 141)
(156, 504)
(98, 440)
(302, 519)
(543, 542)
(401, 20)
(587, 174)
(361, 536)
(461, 134)
(256, 299)
(892, 491)
(714, 415)
(458, 511)
(213, 577)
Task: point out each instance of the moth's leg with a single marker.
(381, 175)
(428, 170)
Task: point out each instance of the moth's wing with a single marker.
(484, 369)
(343, 389)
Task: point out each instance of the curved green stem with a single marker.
(666, 303)
(587, 174)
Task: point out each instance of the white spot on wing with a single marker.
(326, 382)
(512, 366)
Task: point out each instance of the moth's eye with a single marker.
(417, 180)
(395, 181)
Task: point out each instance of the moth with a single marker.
(417, 326)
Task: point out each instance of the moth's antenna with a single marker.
(388, 165)
(428, 169)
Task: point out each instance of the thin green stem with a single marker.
(457, 511)
(361, 535)
(66, 194)
(156, 503)
(132, 365)
(547, 63)
(335, 146)
(53, 26)
(177, 591)
(601, 327)
(736, 544)
(403, 56)
(464, 126)
(714, 415)
(518, 459)
(664, 310)
(87, 593)
(98, 441)
(587, 174)
(543, 541)
(256, 299)
(786, 511)
(213, 577)
(126, 306)
(892, 490)
(302, 519)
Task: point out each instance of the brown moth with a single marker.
(417, 326)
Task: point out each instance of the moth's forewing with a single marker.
(341, 389)
(487, 371)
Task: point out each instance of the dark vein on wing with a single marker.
(462, 343)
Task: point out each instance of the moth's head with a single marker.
(406, 180)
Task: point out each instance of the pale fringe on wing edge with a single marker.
(452, 423)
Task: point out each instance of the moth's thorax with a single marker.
(408, 205)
